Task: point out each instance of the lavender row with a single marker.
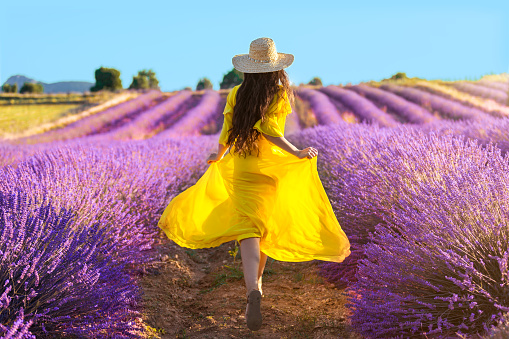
(61, 276)
(481, 91)
(115, 190)
(123, 184)
(323, 109)
(151, 121)
(484, 132)
(360, 106)
(438, 267)
(416, 192)
(409, 111)
(449, 109)
(343, 156)
(97, 122)
(196, 118)
(501, 86)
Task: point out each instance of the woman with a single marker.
(265, 193)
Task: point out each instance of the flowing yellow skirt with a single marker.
(275, 196)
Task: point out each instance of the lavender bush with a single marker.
(323, 109)
(99, 122)
(19, 328)
(485, 132)
(448, 109)
(62, 277)
(499, 96)
(153, 120)
(407, 110)
(501, 86)
(362, 107)
(501, 331)
(197, 117)
(435, 203)
(125, 184)
(348, 160)
(439, 266)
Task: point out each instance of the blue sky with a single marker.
(339, 41)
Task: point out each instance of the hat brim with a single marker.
(243, 64)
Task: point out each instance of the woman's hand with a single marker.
(212, 158)
(308, 152)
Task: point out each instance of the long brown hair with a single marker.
(253, 99)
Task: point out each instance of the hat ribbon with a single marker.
(264, 61)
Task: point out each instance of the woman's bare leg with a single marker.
(250, 253)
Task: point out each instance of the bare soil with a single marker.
(201, 294)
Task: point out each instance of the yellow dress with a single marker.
(275, 196)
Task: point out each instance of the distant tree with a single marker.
(187, 89)
(6, 88)
(31, 87)
(204, 83)
(399, 75)
(152, 80)
(144, 80)
(139, 82)
(107, 79)
(232, 79)
(316, 81)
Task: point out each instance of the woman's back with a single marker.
(275, 116)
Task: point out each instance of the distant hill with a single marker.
(56, 87)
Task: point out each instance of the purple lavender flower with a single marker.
(19, 328)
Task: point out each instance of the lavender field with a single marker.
(417, 173)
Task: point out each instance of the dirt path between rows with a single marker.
(201, 294)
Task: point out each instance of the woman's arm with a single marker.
(221, 150)
(282, 143)
(290, 148)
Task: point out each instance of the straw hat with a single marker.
(262, 58)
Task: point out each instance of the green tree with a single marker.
(232, 79)
(399, 75)
(144, 80)
(31, 87)
(204, 83)
(139, 82)
(6, 88)
(316, 81)
(107, 79)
